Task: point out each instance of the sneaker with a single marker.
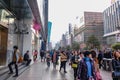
(10, 73)
(65, 71)
(59, 70)
(15, 76)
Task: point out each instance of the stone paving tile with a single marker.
(106, 75)
(39, 71)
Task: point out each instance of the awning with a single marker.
(19, 8)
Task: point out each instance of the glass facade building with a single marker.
(112, 18)
(93, 25)
(111, 21)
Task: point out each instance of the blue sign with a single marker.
(49, 30)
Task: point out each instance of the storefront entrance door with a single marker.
(3, 45)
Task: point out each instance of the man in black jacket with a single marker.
(26, 58)
(100, 58)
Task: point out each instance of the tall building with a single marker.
(61, 42)
(64, 42)
(50, 46)
(111, 22)
(91, 23)
(70, 28)
(20, 24)
(58, 45)
(71, 33)
(67, 38)
(43, 8)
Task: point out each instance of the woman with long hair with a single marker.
(96, 65)
(116, 65)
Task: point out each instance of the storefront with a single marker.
(3, 44)
(4, 21)
(16, 24)
(9, 32)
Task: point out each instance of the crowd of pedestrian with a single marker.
(85, 64)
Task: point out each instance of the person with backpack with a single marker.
(86, 70)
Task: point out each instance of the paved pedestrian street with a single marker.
(39, 71)
(106, 75)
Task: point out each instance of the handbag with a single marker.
(74, 65)
(116, 74)
(20, 60)
(98, 76)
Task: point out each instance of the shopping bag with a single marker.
(74, 65)
(116, 74)
(98, 76)
(20, 60)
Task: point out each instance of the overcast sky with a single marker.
(63, 12)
